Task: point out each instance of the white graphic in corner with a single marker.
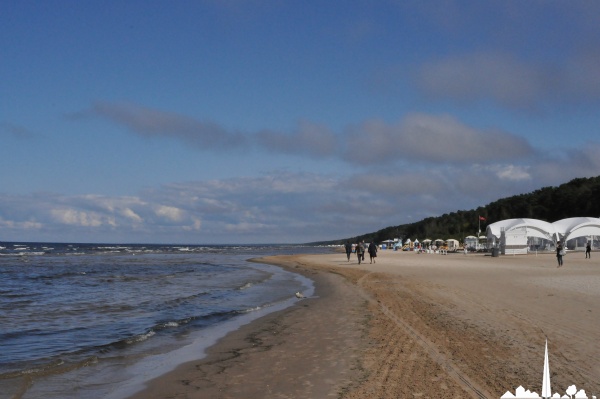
(571, 392)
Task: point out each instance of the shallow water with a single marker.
(76, 320)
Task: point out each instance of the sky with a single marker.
(282, 121)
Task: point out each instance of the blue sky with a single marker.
(285, 121)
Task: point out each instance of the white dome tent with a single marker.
(571, 228)
(518, 236)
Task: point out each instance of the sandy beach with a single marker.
(411, 325)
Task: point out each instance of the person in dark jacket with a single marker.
(588, 250)
(559, 253)
(372, 251)
(348, 248)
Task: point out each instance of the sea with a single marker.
(99, 320)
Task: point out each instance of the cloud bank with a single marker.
(423, 165)
(283, 207)
(420, 138)
(511, 82)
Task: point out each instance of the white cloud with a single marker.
(434, 139)
(130, 214)
(195, 226)
(513, 172)
(21, 225)
(77, 218)
(170, 212)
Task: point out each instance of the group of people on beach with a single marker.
(359, 248)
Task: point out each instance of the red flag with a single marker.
(481, 218)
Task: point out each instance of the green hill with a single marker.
(579, 197)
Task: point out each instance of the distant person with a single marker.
(588, 250)
(360, 251)
(372, 251)
(559, 253)
(363, 249)
(348, 248)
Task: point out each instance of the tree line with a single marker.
(579, 197)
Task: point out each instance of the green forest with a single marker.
(579, 197)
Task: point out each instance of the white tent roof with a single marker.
(577, 227)
(535, 228)
(564, 229)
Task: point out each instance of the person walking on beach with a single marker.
(360, 251)
(348, 248)
(559, 253)
(363, 249)
(372, 251)
(588, 250)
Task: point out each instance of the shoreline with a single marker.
(301, 351)
(410, 326)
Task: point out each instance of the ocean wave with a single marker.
(140, 337)
(169, 324)
(23, 253)
(56, 276)
(53, 367)
(41, 368)
(173, 303)
(253, 309)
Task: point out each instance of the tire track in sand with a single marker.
(474, 389)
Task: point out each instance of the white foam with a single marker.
(156, 365)
(141, 337)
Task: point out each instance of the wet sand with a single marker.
(411, 325)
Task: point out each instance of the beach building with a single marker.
(387, 244)
(452, 244)
(520, 236)
(472, 242)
